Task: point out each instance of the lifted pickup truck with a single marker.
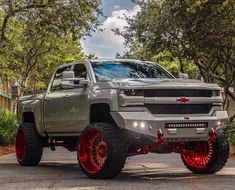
(108, 110)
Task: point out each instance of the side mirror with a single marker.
(84, 82)
(67, 75)
(67, 80)
(183, 76)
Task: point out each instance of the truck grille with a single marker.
(177, 93)
(179, 108)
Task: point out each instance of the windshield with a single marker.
(109, 70)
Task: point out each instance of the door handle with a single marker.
(47, 99)
(66, 97)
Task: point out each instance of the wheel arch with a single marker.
(30, 117)
(100, 112)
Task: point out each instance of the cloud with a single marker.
(106, 44)
(115, 7)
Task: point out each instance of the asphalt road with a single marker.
(59, 170)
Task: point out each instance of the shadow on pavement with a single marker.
(72, 171)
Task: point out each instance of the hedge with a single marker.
(8, 127)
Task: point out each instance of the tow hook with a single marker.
(160, 136)
(212, 135)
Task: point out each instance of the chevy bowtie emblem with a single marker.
(183, 100)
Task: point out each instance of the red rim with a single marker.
(92, 151)
(201, 157)
(20, 145)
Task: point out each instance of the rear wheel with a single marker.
(207, 157)
(29, 145)
(101, 151)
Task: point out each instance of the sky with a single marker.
(106, 44)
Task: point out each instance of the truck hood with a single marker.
(161, 83)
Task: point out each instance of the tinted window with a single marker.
(106, 71)
(56, 84)
(80, 72)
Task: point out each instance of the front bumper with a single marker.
(217, 121)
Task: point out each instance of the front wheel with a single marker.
(29, 145)
(207, 157)
(101, 151)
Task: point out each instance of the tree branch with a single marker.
(231, 95)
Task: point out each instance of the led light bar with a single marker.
(187, 125)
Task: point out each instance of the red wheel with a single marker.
(20, 145)
(101, 151)
(201, 157)
(29, 145)
(93, 151)
(207, 157)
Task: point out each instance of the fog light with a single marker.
(219, 123)
(135, 124)
(143, 125)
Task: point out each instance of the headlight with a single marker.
(216, 93)
(133, 92)
(131, 97)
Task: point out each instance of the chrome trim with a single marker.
(174, 100)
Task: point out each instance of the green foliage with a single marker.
(165, 59)
(55, 16)
(8, 128)
(28, 53)
(37, 36)
(198, 32)
(174, 65)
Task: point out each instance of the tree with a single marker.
(30, 57)
(60, 17)
(165, 59)
(37, 36)
(199, 31)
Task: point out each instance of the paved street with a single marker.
(59, 170)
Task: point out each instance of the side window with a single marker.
(80, 71)
(56, 84)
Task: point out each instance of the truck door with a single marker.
(53, 100)
(75, 112)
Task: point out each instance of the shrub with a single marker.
(8, 122)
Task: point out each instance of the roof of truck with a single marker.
(104, 60)
(101, 60)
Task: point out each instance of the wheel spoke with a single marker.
(201, 156)
(92, 142)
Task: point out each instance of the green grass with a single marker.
(8, 122)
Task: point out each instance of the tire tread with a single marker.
(117, 151)
(220, 156)
(33, 146)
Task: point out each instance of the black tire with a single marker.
(29, 145)
(219, 157)
(114, 151)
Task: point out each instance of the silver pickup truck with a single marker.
(108, 110)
